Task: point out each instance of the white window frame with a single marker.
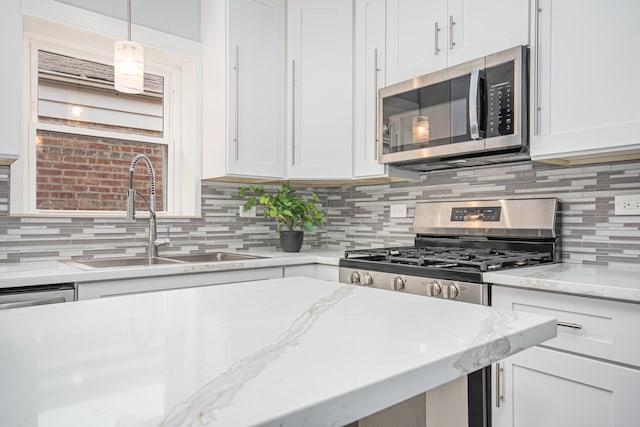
(176, 59)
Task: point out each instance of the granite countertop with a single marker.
(577, 279)
(285, 352)
(51, 272)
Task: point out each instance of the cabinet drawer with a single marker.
(540, 387)
(594, 327)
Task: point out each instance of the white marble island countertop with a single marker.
(286, 352)
(584, 280)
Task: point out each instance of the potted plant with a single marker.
(290, 211)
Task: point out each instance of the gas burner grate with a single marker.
(482, 259)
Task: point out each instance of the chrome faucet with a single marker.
(154, 242)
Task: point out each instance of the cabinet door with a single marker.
(417, 38)
(320, 84)
(10, 77)
(542, 387)
(306, 270)
(315, 271)
(256, 70)
(483, 27)
(587, 79)
(369, 68)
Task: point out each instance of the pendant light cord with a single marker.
(129, 20)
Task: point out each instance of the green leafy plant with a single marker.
(285, 206)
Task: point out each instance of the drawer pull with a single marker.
(498, 393)
(570, 325)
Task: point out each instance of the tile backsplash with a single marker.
(356, 217)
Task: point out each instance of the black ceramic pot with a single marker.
(291, 241)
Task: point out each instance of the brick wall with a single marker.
(76, 172)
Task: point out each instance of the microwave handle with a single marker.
(474, 86)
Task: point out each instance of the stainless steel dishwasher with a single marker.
(27, 296)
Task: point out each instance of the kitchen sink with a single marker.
(144, 261)
(212, 257)
(120, 262)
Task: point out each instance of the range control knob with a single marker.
(354, 277)
(397, 283)
(367, 280)
(450, 291)
(434, 289)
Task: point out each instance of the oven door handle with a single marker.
(474, 104)
(30, 303)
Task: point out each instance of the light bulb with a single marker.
(128, 67)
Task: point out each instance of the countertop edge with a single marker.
(573, 279)
(33, 273)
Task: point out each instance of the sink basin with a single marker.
(144, 261)
(212, 257)
(120, 262)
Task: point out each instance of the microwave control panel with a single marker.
(500, 103)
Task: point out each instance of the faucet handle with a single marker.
(165, 241)
(161, 242)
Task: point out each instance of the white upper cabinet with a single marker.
(586, 80)
(417, 38)
(256, 87)
(10, 78)
(320, 89)
(425, 36)
(484, 27)
(369, 59)
(369, 68)
(244, 95)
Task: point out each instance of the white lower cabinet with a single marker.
(541, 387)
(106, 288)
(588, 376)
(314, 271)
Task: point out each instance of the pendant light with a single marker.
(128, 63)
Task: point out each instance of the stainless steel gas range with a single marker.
(455, 244)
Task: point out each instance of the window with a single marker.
(82, 134)
(78, 170)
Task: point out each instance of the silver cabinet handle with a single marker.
(436, 30)
(569, 325)
(375, 99)
(473, 104)
(293, 112)
(44, 301)
(237, 108)
(498, 394)
(451, 24)
(536, 80)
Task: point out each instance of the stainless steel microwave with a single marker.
(474, 113)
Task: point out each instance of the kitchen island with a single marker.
(289, 352)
